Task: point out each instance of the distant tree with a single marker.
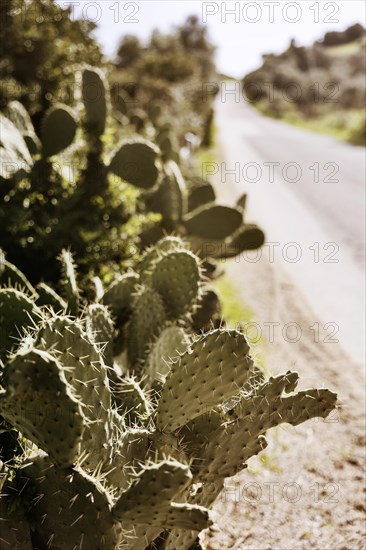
(193, 35)
(129, 51)
(40, 45)
(335, 38)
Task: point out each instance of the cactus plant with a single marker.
(85, 206)
(112, 460)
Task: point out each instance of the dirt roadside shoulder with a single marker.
(308, 491)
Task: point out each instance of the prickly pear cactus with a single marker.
(121, 451)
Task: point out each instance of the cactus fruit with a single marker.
(135, 162)
(95, 99)
(58, 130)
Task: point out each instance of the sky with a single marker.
(242, 31)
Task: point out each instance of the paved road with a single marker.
(307, 189)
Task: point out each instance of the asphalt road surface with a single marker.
(308, 193)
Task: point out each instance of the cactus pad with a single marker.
(213, 222)
(135, 162)
(170, 343)
(147, 321)
(176, 277)
(212, 371)
(81, 517)
(40, 403)
(17, 314)
(58, 130)
(94, 87)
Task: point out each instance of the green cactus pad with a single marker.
(70, 287)
(170, 199)
(212, 371)
(87, 373)
(71, 509)
(39, 402)
(48, 297)
(15, 533)
(58, 130)
(248, 237)
(240, 434)
(132, 402)
(135, 162)
(151, 235)
(176, 277)
(140, 536)
(154, 253)
(149, 497)
(188, 516)
(170, 343)
(100, 329)
(17, 314)
(201, 195)
(132, 450)
(94, 93)
(82, 361)
(119, 296)
(213, 222)
(179, 539)
(147, 321)
(208, 314)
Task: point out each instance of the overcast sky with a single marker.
(242, 31)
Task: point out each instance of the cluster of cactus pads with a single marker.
(129, 420)
(143, 161)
